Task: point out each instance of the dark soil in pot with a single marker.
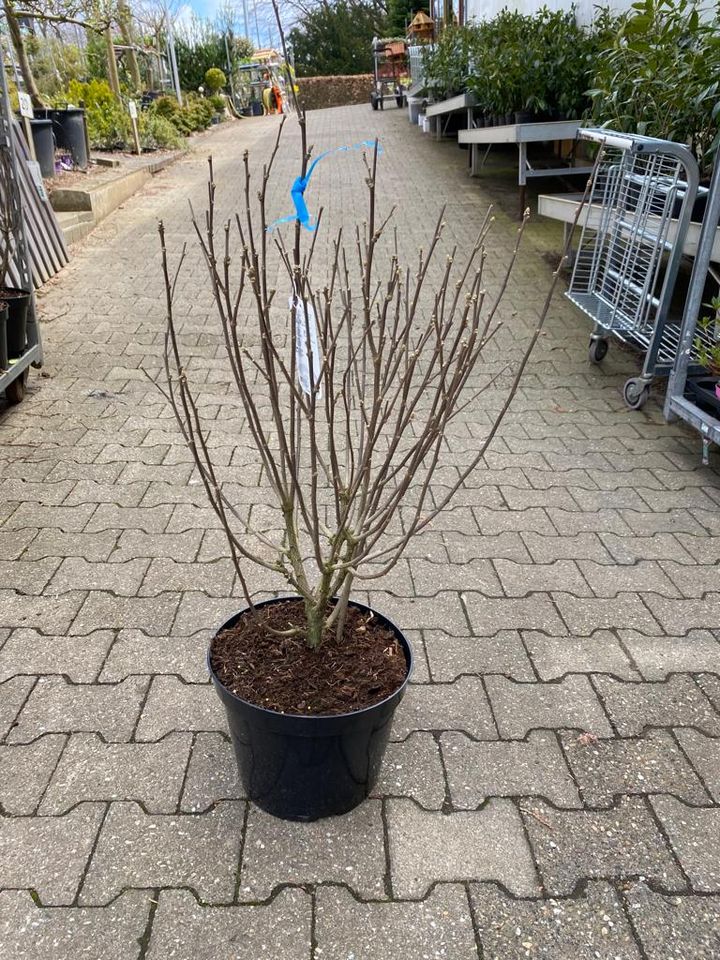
(309, 728)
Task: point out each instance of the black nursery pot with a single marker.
(4, 359)
(17, 303)
(304, 767)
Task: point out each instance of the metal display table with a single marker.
(522, 134)
(440, 113)
(563, 207)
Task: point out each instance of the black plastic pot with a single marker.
(524, 116)
(17, 302)
(303, 767)
(69, 130)
(44, 143)
(4, 359)
(257, 109)
(702, 390)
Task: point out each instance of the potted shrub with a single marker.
(349, 379)
(706, 345)
(16, 301)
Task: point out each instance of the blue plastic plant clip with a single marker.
(297, 191)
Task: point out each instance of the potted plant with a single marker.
(707, 350)
(17, 301)
(349, 379)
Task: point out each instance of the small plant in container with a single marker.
(350, 376)
(13, 302)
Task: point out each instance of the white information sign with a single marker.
(132, 109)
(304, 322)
(36, 174)
(26, 107)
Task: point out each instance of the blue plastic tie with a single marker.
(297, 191)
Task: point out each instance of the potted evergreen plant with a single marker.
(350, 378)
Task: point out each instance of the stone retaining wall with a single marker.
(317, 93)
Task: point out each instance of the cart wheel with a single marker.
(635, 393)
(598, 350)
(374, 101)
(15, 391)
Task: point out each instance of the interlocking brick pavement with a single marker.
(561, 737)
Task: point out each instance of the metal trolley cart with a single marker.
(391, 72)
(639, 206)
(694, 398)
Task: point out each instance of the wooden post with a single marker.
(112, 63)
(132, 108)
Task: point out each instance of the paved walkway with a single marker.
(550, 789)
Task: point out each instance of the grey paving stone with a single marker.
(182, 547)
(537, 767)
(672, 928)
(25, 772)
(135, 849)
(461, 549)
(27, 577)
(37, 492)
(569, 524)
(488, 844)
(57, 543)
(49, 614)
(678, 702)
(279, 930)
(56, 706)
(443, 611)
(604, 769)
(521, 579)
(710, 685)
(451, 656)
(583, 546)
(590, 927)
(35, 515)
(493, 522)
(214, 579)
(570, 846)
(92, 491)
(661, 546)
(695, 837)
(13, 694)
(101, 610)
(76, 573)
(571, 703)
(704, 754)
(679, 616)
(212, 774)
(626, 610)
(658, 657)
(414, 769)
(692, 579)
(136, 652)
(174, 705)
(609, 580)
(487, 616)
(197, 612)
(670, 521)
(553, 657)
(348, 850)
(25, 843)
(479, 575)
(109, 516)
(79, 658)
(702, 549)
(462, 705)
(14, 542)
(186, 516)
(437, 928)
(70, 933)
(90, 769)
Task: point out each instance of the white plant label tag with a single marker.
(304, 320)
(132, 109)
(26, 107)
(36, 174)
